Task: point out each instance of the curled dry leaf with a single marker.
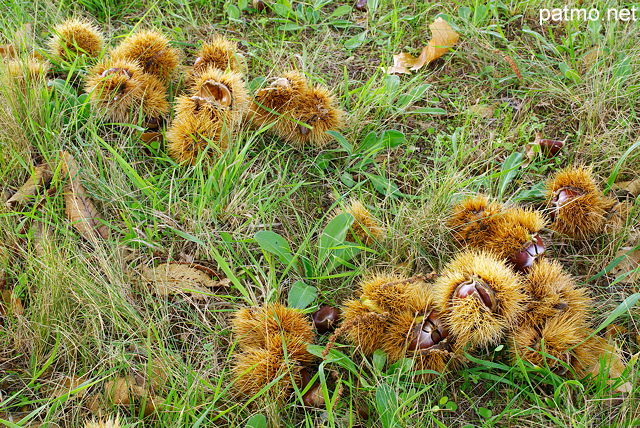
(613, 360)
(628, 266)
(169, 279)
(78, 207)
(41, 176)
(125, 391)
(10, 303)
(443, 38)
(630, 187)
(64, 385)
(151, 137)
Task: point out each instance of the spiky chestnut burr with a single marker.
(220, 53)
(123, 92)
(511, 233)
(479, 297)
(276, 100)
(152, 50)
(553, 292)
(553, 341)
(388, 292)
(363, 326)
(20, 74)
(309, 117)
(189, 136)
(577, 206)
(473, 219)
(365, 226)
(217, 96)
(255, 367)
(75, 37)
(255, 326)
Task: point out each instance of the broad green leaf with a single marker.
(428, 110)
(356, 41)
(344, 143)
(301, 295)
(509, 170)
(275, 244)
(340, 11)
(392, 138)
(405, 100)
(387, 404)
(384, 185)
(290, 27)
(333, 235)
(257, 421)
(347, 179)
(379, 359)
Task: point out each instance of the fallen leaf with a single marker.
(631, 187)
(169, 279)
(482, 110)
(627, 266)
(78, 207)
(204, 269)
(151, 137)
(615, 330)
(64, 385)
(126, 390)
(7, 51)
(10, 303)
(443, 38)
(41, 175)
(613, 361)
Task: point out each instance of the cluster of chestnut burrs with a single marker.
(499, 288)
(130, 84)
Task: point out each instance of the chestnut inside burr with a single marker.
(562, 197)
(524, 259)
(480, 290)
(214, 91)
(430, 334)
(116, 70)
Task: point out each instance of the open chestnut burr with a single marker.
(429, 334)
(524, 259)
(478, 289)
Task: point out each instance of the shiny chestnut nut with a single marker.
(429, 334)
(478, 289)
(550, 148)
(116, 70)
(259, 5)
(313, 397)
(562, 197)
(325, 319)
(361, 5)
(524, 259)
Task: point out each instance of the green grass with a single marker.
(88, 315)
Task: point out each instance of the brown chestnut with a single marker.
(524, 259)
(480, 290)
(550, 148)
(325, 319)
(313, 397)
(361, 5)
(428, 334)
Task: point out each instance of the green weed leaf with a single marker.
(302, 295)
(274, 244)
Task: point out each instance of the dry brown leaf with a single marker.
(150, 137)
(628, 264)
(10, 303)
(169, 279)
(78, 207)
(482, 110)
(7, 51)
(615, 330)
(17, 417)
(443, 38)
(64, 385)
(632, 187)
(613, 360)
(41, 175)
(128, 390)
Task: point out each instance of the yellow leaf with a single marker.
(169, 279)
(78, 207)
(41, 175)
(443, 38)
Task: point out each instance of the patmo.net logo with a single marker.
(583, 14)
